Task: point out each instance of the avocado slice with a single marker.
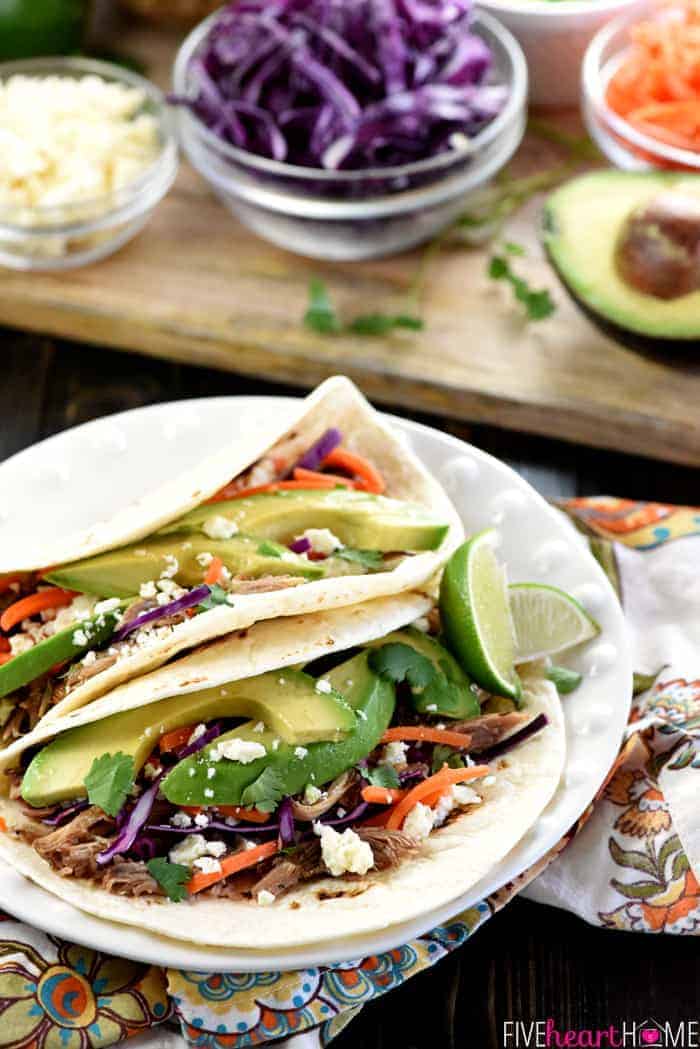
(584, 222)
(120, 573)
(451, 693)
(358, 519)
(285, 770)
(62, 647)
(287, 702)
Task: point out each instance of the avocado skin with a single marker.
(460, 701)
(120, 572)
(358, 519)
(234, 783)
(59, 648)
(636, 337)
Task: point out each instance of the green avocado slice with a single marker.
(121, 572)
(358, 519)
(450, 693)
(286, 769)
(62, 647)
(582, 224)
(287, 702)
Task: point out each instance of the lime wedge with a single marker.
(476, 617)
(547, 620)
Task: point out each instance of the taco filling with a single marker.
(337, 770)
(301, 513)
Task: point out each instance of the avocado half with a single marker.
(582, 222)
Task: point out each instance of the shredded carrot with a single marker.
(328, 480)
(430, 786)
(5, 657)
(368, 477)
(240, 812)
(378, 820)
(213, 572)
(4, 645)
(425, 734)
(656, 88)
(281, 486)
(382, 795)
(30, 606)
(8, 580)
(3, 825)
(192, 810)
(231, 865)
(177, 738)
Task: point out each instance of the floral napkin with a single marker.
(628, 863)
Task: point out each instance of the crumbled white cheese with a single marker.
(259, 726)
(219, 527)
(248, 844)
(189, 849)
(419, 822)
(89, 658)
(150, 770)
(431, 707)
(422, 624)
(275, 744)
(81, 607)
(208, 792)
(322, 540)
(488, 781)
(346, 852)
(231, 821)
(148, 589)
(207, 865)
(196, 733)
(394, 753)
(111, 604)
(172, 567)
(341, 812)
(324, 686)
(265, 898)
(312, 794)
(211, 772)
(80, 638)
(243, 750)
(204, 559)
(182, 820)
(300, 752)
(217, 848)
(464, 795)
(201, 820)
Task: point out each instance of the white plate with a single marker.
(106, 463)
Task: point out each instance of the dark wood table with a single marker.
(529, 962)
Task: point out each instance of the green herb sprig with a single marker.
(322, 318)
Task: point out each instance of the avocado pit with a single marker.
(658, 249)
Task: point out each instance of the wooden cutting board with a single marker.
(197, 287)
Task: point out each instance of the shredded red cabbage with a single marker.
(285, 814)
(300, 546)
(189, 600)
(59, 817)
(504, 745)
(133, 824)
(313, 458)
(321, 83)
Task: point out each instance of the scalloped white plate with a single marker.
(106, 463)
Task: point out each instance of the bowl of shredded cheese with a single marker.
(87, 151)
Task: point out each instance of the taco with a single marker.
(322, 507)
(300, 781)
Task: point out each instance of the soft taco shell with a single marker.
(453, 859)
(337, 402)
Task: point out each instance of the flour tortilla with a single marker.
(453, 858)
(337, 402)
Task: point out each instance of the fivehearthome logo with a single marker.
(629, 1034)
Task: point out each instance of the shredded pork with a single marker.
(488, 728)
(333, 796)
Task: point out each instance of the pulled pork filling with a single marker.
(77, 839)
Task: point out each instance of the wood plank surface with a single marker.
(197, 287)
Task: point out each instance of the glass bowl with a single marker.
(622, 144)
(74, 234)
(352, 215)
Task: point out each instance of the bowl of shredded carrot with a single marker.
(641, 88)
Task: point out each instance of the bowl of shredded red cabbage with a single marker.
(330, 102)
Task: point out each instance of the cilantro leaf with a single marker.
(367, 558)
(172, 877)
(538, 304)
(265, 792)
(511, 248)
(444, 755)
(382, 323)
(382, 776)
(268, 549)
(400, 662)
(217, 596)
(109, 781)
(564, 680)
(320, 315)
